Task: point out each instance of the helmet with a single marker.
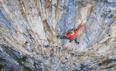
(72, 32)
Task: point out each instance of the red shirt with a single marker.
(71, 36)
(75, 34)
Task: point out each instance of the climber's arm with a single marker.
(79, 28)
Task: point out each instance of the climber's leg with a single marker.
(70, 41)
(76, 41)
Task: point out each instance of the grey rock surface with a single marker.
(29, 29)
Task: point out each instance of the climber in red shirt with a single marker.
(72, 35)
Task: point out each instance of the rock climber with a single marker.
(72, 34)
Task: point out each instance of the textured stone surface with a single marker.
(28, 30)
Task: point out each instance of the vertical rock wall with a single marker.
(28, 26)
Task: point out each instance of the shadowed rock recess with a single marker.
(29, 29)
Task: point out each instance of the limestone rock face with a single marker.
(29, 29)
